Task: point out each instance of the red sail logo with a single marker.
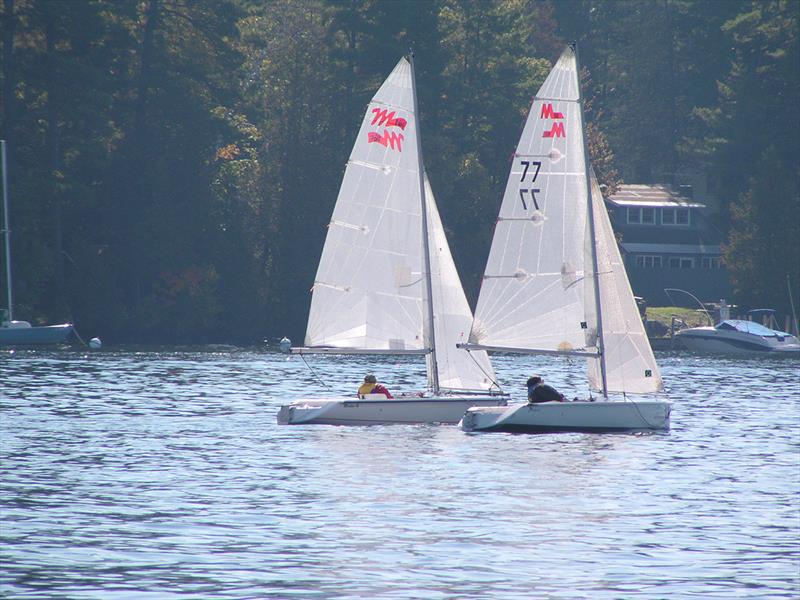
(549, 113)
(383, 118)
(388, 139)
(557, 130)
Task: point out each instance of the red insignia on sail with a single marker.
(382, 117)
(388, 139)
(557, 130)
(549, 113)
(385, 118)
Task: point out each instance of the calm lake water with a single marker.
(162, 473)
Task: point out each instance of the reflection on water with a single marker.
(163, 473)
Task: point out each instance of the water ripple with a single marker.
(158, 474)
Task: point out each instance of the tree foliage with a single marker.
(173, 164)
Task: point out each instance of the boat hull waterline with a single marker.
(356, 411)
(579, 416)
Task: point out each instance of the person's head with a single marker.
(534, 381)
(370, 379)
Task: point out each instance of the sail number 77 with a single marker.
(532, 191)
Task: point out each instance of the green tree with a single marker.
(754, 134)
(291, 79)
(497, 55)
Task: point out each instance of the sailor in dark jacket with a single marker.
(539, 391)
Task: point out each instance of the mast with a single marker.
(426, 251)
(7, 232)
(595, 267)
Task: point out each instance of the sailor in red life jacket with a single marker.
(371, 386)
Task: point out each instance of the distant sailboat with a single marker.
(386, 282)
(555, 282)
(13, 333)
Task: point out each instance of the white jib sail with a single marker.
(532, 295)
(458, 369)
(369, 287)
(630, 365)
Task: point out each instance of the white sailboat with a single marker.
(13, 332)
(555, 282)
(386, 282)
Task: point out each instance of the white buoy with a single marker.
(95, 343)
(285, 344)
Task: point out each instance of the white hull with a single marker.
(708, 340)
(354, 411)
(570, 416)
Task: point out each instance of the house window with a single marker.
(710, 262)
(674, 216)
(648, 262)
(677, 262)
(634, 215)
(649, 216)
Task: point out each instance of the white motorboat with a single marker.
(555, 282)
(13, 332)
(738, 336)
(386, 281)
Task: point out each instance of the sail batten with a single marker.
(555, 99)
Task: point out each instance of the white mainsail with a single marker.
(368, 292)
(539, 292)
(370, 289)
(533, 292)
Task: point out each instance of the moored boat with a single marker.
(13, 332)
(738, 336)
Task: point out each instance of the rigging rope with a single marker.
(314, 372)
(489, 377)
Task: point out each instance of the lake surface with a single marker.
(162, 473)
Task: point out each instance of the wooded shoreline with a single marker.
(173, 166)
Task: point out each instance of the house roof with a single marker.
(655, 194)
